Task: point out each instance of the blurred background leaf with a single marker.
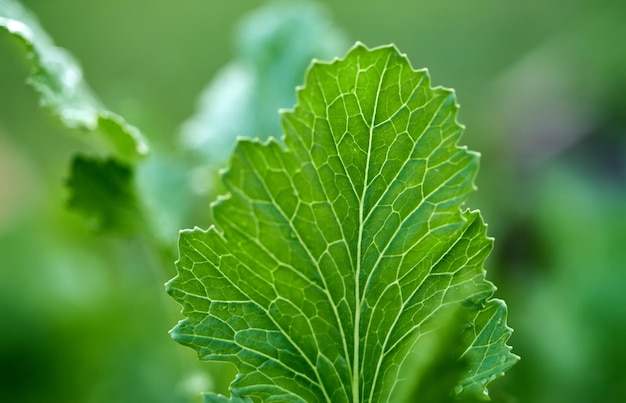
(85, 317)
(274, 46)
(103, 190)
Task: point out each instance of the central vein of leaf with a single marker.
(356, 369)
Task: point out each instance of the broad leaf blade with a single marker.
(333, 256)
(58, 79)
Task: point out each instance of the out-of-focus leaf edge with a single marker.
(57, 79)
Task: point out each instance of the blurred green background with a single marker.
(84, 316)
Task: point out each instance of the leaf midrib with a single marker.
(356, 370)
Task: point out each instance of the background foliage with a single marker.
(84, 316)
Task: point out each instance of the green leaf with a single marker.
(334, 256)
(58, 79)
